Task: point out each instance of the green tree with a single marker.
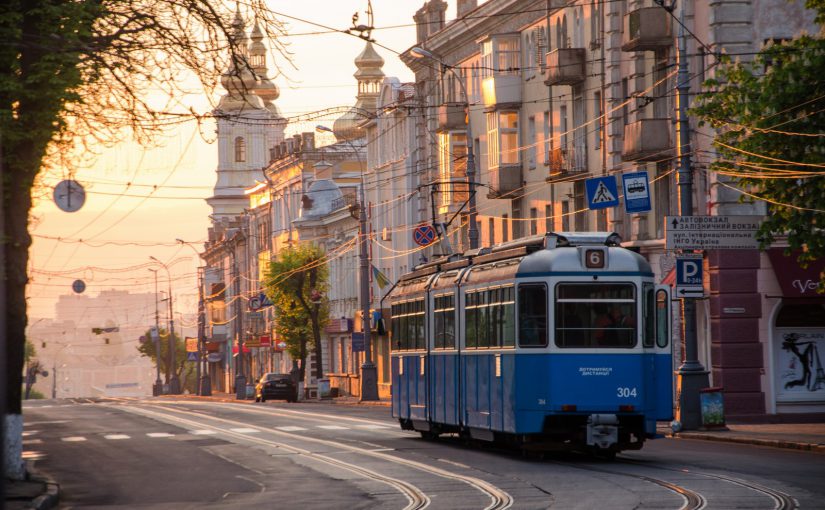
(183, 368)
(770, 118)
(297, 284)
(74, 74)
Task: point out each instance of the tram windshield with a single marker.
(590, 315)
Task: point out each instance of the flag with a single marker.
(380, 278)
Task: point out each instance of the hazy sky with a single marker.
(119, 228)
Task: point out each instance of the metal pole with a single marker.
(174, 382)
(692, 376)
(240, 379)
(472, 230)
(3, 333)
(158, 387)
(204, 384)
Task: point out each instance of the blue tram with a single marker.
(560, 341)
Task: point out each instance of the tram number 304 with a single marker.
(624, 392)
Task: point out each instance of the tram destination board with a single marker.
(711, 232)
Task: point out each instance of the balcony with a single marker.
(565, 66)
(501, 89)
(647, 140)
(567, 161)
(505, 181)
(452, 116)
(647, 29)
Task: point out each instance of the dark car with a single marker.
(276, 386)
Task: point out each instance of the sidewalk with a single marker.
(39, 493)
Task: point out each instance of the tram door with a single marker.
(664, 353)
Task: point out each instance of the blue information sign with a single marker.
(636, 192)
(602, 192)
(191, 356)
(689, 276)
(358, 342)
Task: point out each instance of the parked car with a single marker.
(276, 386)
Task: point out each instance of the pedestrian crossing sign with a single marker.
(602, 192)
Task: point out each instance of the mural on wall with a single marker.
(800, 374)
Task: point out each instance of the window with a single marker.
(500, 54)
(240, 150)
(548, 218)
(546, 146)
(532, 315)
(490, 318)
(648, 316)
(407, 331)
(563, 126)
(597, 109)
(505, 228)
(444, 317)
(452, 164)
(532, 142)
(502, 139)
(491, 232)
(534, 221)
(595, 316)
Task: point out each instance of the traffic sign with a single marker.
(254, 303)
(711, 232)
(191, 356)
(69, 195)
(602, 192)
(424, 235)
(636, 192)
(78, 286)
(689, 276)
(357, 342)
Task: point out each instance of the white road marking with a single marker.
(116, 436)
(374, 427)
(73, 439)
(246, 431)
(159, 434)
(46, 422)
(290, 429)
(203, 432)
(32, 441)
(331, 427)
(30, 433)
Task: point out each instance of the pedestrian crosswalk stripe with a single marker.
(32, 441)
(372, 427)
(73, 439)
(117, 436)
(202, 432)
(332, 427)
(290, 429)
(245, 431)
(160, 434)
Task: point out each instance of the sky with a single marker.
(139, 201)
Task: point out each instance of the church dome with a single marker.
(346, 127)
(319, 198)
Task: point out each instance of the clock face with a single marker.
(69, 195)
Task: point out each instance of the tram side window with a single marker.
(490, 318)
(649, 317)
(595, 315)
(444, 317)
(408, 326)
(417, 321)
(532, 315)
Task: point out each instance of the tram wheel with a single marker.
(428, 435)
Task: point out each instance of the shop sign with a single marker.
(191, 344)
(794, 280)
(214, 357)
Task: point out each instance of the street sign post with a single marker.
(636, 192)
(602, 192)
(711, 232)
(689, 276)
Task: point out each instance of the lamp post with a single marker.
(472, 230)
(54, 369)
(174, 383)
(369, 373)
(204, 382)
(157, 389)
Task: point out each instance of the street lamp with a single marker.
(369, 374)
(472, 232)
(157, 389)
(174, 383)
(205, 384)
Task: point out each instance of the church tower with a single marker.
(369, 76)
(249, 123)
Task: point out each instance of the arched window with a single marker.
(240, 150)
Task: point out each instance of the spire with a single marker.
(369, 76)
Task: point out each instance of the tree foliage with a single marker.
(184, 369)
(770, 119)
(297, 284)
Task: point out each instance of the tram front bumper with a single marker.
(602, 430)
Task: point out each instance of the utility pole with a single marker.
(157, 389)
(4, 374)
(174, 382)
(240, 379)
(204, 383)
(692, 376)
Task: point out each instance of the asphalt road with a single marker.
(157, 453)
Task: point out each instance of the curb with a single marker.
(774, 443)
(51, 497)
